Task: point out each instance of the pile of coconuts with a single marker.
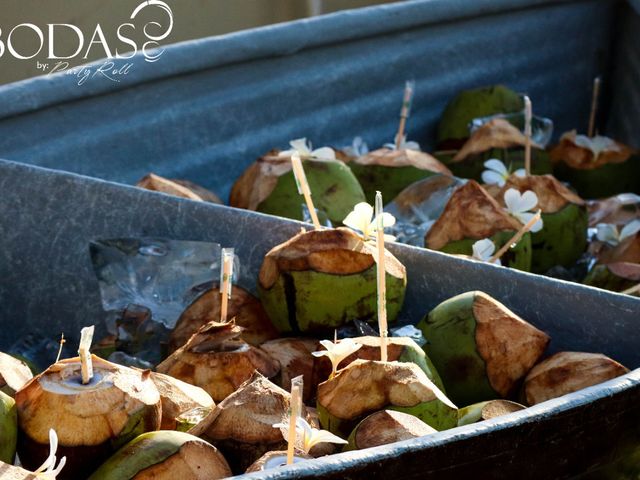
(570, 179)
(213, 407)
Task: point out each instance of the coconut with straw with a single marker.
(395, 166)
(472, 214)
(94, 406)
(269, 185)
(595, 165)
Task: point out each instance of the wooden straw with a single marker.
(516, 238)
(405, 111)
(594, 106)
(303, 188)
(226, 282)
(62, 342)
(382, 285)
(86, 337)
(295, 408)
(527, 133)
(633, 290)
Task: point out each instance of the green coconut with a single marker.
(391, 171)
(8, 428)
(366, 386)
(472, 214)
(563, 238)
(385, 427)
(598, 167)
(164, 455)
(500, 140)
(269, 186)
(92, 421)
(322, 279)
(453, 128)
(481, 411)
(480, 348)
(399, 349)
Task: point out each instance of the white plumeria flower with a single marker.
(48, 469)
(597, 144)
(338, 351)
(357, 149)
(497, 173)
(483, 250)
(609, 233)
(518, 205)
(304, 149)
(404, 145)
(361, 219)
(308, 437)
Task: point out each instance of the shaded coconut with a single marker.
(628, 251)
(241, 426)
(596, 167)
(177, 188)
(618, 210)
(392, 170)
(8, 428)
(567, 372)
(164, 455)
(472, 214)
(563, 239)
(243, 307)
(365, 386)
(178, 398)
(92, 421)
(216, 359)
(320, 280)
(480, 348)
(295, 359)
(399, 349)
(14, 374)
(617, 276)
(497, 139)
(479, 412)
(453, 128)
(269, 186)
(276, 459)
(384, 427)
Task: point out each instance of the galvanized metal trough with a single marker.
(210, 107)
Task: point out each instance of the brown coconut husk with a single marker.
(178, 188)
(470, 213)
(618, 210)
(388, 426)
(91, 421)
(295, 359)
(496, 133)
(216, 359)
(582, 158)
(567, 372)
(553, 196)
(259, 180)
(387, 157)
(243, 307)
(14, 374)
(241, 426)
(177, 398)
(336, 251)
(627, 251)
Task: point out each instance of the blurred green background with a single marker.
(192, 19)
